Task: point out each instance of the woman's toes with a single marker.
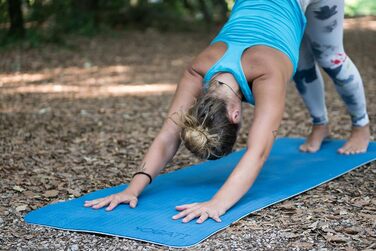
(348, 151)
(342, 150)
(312, 148)
(303, 148)
(355, 151)
(358, 141)
(359, 150)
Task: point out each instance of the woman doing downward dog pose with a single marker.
(252, 59)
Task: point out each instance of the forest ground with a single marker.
(75, 120)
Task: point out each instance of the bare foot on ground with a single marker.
(315, 138)
(358, 141)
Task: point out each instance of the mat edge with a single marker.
(241, 217)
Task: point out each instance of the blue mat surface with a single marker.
(285, 174)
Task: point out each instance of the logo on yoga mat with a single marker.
(162, 232)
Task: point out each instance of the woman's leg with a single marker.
(325, 33)
(310, 85)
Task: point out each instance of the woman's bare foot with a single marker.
(358, 141)
(315, 138)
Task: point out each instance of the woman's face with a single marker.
(226, 88)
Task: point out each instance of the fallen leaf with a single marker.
(368, 216)
(352, 230)
(290, 235)
(44, 110)
(303, 245)
(342, 212)
(51, 193)
(314, 225)
(21, 208)
(74, 192)
(362, 202)
(30, 194)
(289, 206)
(336, 238)
(18, 189)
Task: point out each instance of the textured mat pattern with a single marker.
(286, 173)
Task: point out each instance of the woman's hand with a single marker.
(113, 200)
(202, 211)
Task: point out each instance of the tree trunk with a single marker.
(206, 12)
(88, 9)
(188, 5)
(17, 28)
(224, 8)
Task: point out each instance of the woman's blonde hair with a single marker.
(206, 129)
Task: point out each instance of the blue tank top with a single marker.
(278, 24)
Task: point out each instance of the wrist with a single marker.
(137, 184)
(220, 204)
(131, 192)
(143, 173)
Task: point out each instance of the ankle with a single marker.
(360, 127)
(320, 126)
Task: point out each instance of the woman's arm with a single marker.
(269, 91)
(167, 142)
(163, 147)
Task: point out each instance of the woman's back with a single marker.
(275, 23)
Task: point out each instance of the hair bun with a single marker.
(206, 130)
(197, 135)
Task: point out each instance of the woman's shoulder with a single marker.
(264, 60)
(208, 57)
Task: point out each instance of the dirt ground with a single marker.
(76, 120)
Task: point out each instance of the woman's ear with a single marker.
(235, 116)
(235, 112)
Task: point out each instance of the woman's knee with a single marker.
(328, 56)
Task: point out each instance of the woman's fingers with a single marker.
(112, 201)
(185, 206)
(181, 214)
(202, 211)
(133, 203)
(112, 205)
(105, 201)
(192, 215)
(216, 218)
(204, 216)
(89, 203)
(184, 213)
(93, 202)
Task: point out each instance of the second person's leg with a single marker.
(310, 86)
(325, 32)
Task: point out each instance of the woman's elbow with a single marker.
(258, 155)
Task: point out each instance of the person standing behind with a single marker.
(322, 46)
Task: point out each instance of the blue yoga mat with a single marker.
(285, 174)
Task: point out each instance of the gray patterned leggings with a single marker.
(322, 46)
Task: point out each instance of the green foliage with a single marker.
(51, 20)
(360, 7)
(166, 15)
(3, 13)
